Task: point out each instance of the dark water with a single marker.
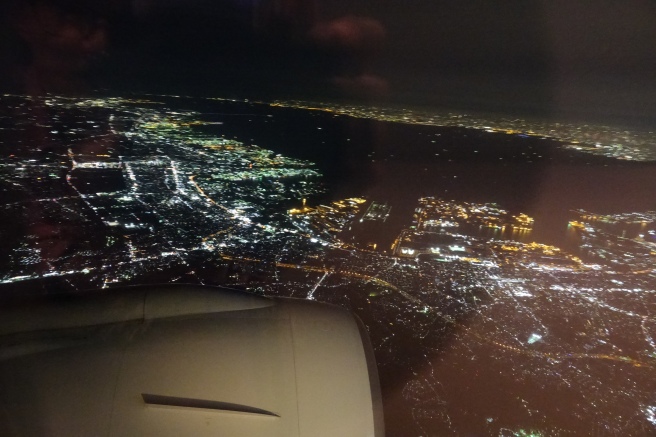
(399, 163)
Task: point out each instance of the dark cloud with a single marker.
(363, 85)
(61, 43)
(353, 42)
(360, 35)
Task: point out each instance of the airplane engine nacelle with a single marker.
(185, 361)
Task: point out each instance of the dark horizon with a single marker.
(554, 59)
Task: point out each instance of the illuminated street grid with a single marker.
(434, 214)
(625, 241)
(542, 328)
(474, 335)
(377, 212)
(596, 139)
(130, 185)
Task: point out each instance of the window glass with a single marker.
(475, 180)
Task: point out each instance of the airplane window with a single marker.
(474, 180)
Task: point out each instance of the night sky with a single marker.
(526, 57)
